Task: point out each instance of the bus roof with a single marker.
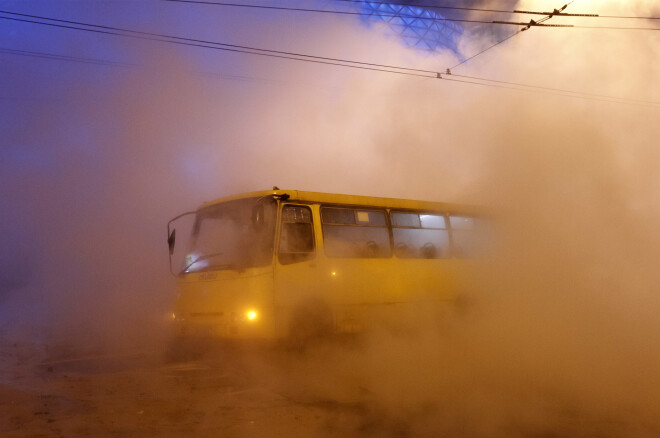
(364, 201)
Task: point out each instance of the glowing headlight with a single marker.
(251, 315)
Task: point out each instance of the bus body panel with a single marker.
(226, 303)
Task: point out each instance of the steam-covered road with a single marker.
(234, 394)
(332, 390)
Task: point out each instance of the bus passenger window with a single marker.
(297, 235)
(420, 235)
(339, 216)
(355, 233)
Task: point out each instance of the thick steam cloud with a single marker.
(558, 332)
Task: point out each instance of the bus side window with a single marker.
(420, 235)
(355, 233)
(297, 235)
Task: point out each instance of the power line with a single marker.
(437, 19)
(325, 11)
(573, 26)
(342, 63)
(109, 63)
(333, 61)
(485, 50)
(555, 13)
(426, 6)
(532, 23)
(615, 27)
(54, 56)
(549, 16)
(538, 87)
(217, 3)
(566, 14)
(500, 11)
(193, 42)
(629, 17)
(563, 93)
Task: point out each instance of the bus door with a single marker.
(299, 295)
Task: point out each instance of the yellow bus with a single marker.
(297, 264)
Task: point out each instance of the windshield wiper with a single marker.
(210, 256)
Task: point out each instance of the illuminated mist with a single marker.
(559, 335)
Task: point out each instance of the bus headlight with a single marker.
(251, 315)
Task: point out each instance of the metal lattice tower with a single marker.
(414, 24)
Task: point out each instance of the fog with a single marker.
(557, 333)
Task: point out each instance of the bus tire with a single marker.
(311, 323)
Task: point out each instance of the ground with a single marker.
(147, 394)
(333, 390)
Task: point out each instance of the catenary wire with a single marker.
(54, 56)
(193, 40)
(629, 17)
(582, 15)
(503, 40)
(614, 27)
(514, 86)
(325, 11)
(427, 6)
(380, 14)
(271, 53)
(501, 11)
(517, 84)
(352, 13)
(556, 92)
(110, 63)
(572, 26)
(484, 50)
(345, 63)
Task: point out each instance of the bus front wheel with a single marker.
(311, 322)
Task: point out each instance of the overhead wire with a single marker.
(343, 63)
(485, 50)
(582, 15)
(152, 36)
(328, 61)
(548, 17)
(577, 26)
(54, 56)
(572, 26)
(502, 11)
(325, 11)
(525, 26)
(629, 17)
(538, 87)
(357, 13)
(110, 63)
(382, 14)
(562, 93)
(427, 6)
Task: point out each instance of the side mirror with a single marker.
(171, 240)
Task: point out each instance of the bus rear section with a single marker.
(300, 264)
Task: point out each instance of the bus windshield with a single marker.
(234, 235)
